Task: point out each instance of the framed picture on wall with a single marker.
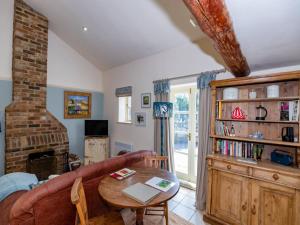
(146, 100)
(140, 119)
(78, 105)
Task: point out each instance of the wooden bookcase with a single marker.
(271, 127)
(243, 193)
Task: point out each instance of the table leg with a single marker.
(140, 216)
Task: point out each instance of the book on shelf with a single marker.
(122, 174)
(141, 193)
(236, 149)
(219, 110)
(289, 110)
(160, 184)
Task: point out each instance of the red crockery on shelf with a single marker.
(238, 113)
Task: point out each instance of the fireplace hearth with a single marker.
(42, 164)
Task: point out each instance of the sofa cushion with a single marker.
(13, 182)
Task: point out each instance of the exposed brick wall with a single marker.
(30, 127)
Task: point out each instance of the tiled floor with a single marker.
(183, 204)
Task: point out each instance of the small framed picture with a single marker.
(146, 100)
(77, 105)
(140, 119)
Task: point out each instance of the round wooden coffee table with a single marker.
(110, 190)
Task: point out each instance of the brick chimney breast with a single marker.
(30, 127)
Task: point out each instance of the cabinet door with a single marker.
(273, 204)
(230, 197)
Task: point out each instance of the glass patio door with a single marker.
(185, 131)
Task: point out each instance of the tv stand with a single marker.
(96, 149)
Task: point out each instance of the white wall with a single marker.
(184, 60)
(66, 68)
(140, 74)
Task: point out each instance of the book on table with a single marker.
(141, 193)
(122, 174)
(160, 184)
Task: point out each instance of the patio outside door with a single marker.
(185, 131)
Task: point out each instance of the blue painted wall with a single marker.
(5, 99)
(55, 104)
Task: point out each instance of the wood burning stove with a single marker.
(42, 164)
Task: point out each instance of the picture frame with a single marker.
(77, 105)
(140, 119)
(146, 100)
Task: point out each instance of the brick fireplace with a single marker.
(30, 128)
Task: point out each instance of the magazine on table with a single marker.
(160, 184)
(122, 174)
(141, 193)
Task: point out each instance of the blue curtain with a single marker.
(161, 87)
(206, 77)
(205, 143)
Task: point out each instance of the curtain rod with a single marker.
(191, 75)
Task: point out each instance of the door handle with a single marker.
(190, 136)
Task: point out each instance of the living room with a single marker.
(203, 95)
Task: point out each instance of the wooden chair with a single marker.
(78, 199)
(158, 162)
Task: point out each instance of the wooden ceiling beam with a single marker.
(214, 20)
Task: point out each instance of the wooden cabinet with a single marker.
(273, 204)
(96, 149)
(230, 198)
(244, 186)
(239, 198)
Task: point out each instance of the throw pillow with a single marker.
(13, 182)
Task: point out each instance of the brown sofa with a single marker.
(50, 203)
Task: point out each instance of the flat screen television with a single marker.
(96, 128)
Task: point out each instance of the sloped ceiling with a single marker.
(268, 31)
(121, 31)
(118, 31)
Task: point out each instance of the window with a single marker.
(124, 100)
(124, 109)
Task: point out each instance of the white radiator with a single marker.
(120, 146)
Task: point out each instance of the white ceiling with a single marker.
(122, 31)
(118, 31)
(268, 31)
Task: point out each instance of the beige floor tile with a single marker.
(197, 219)
(172, 204)
(189, 202)
(184, 212)
(178, 197)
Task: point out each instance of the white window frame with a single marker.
(125, 107)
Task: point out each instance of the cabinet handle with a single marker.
(275, 176)
(253, 210)
(229, 167)
(244, 207)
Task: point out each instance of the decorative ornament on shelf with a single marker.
(252, 94)
(273, 91)
(230, 93)
(238, 114)
(261, 113)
